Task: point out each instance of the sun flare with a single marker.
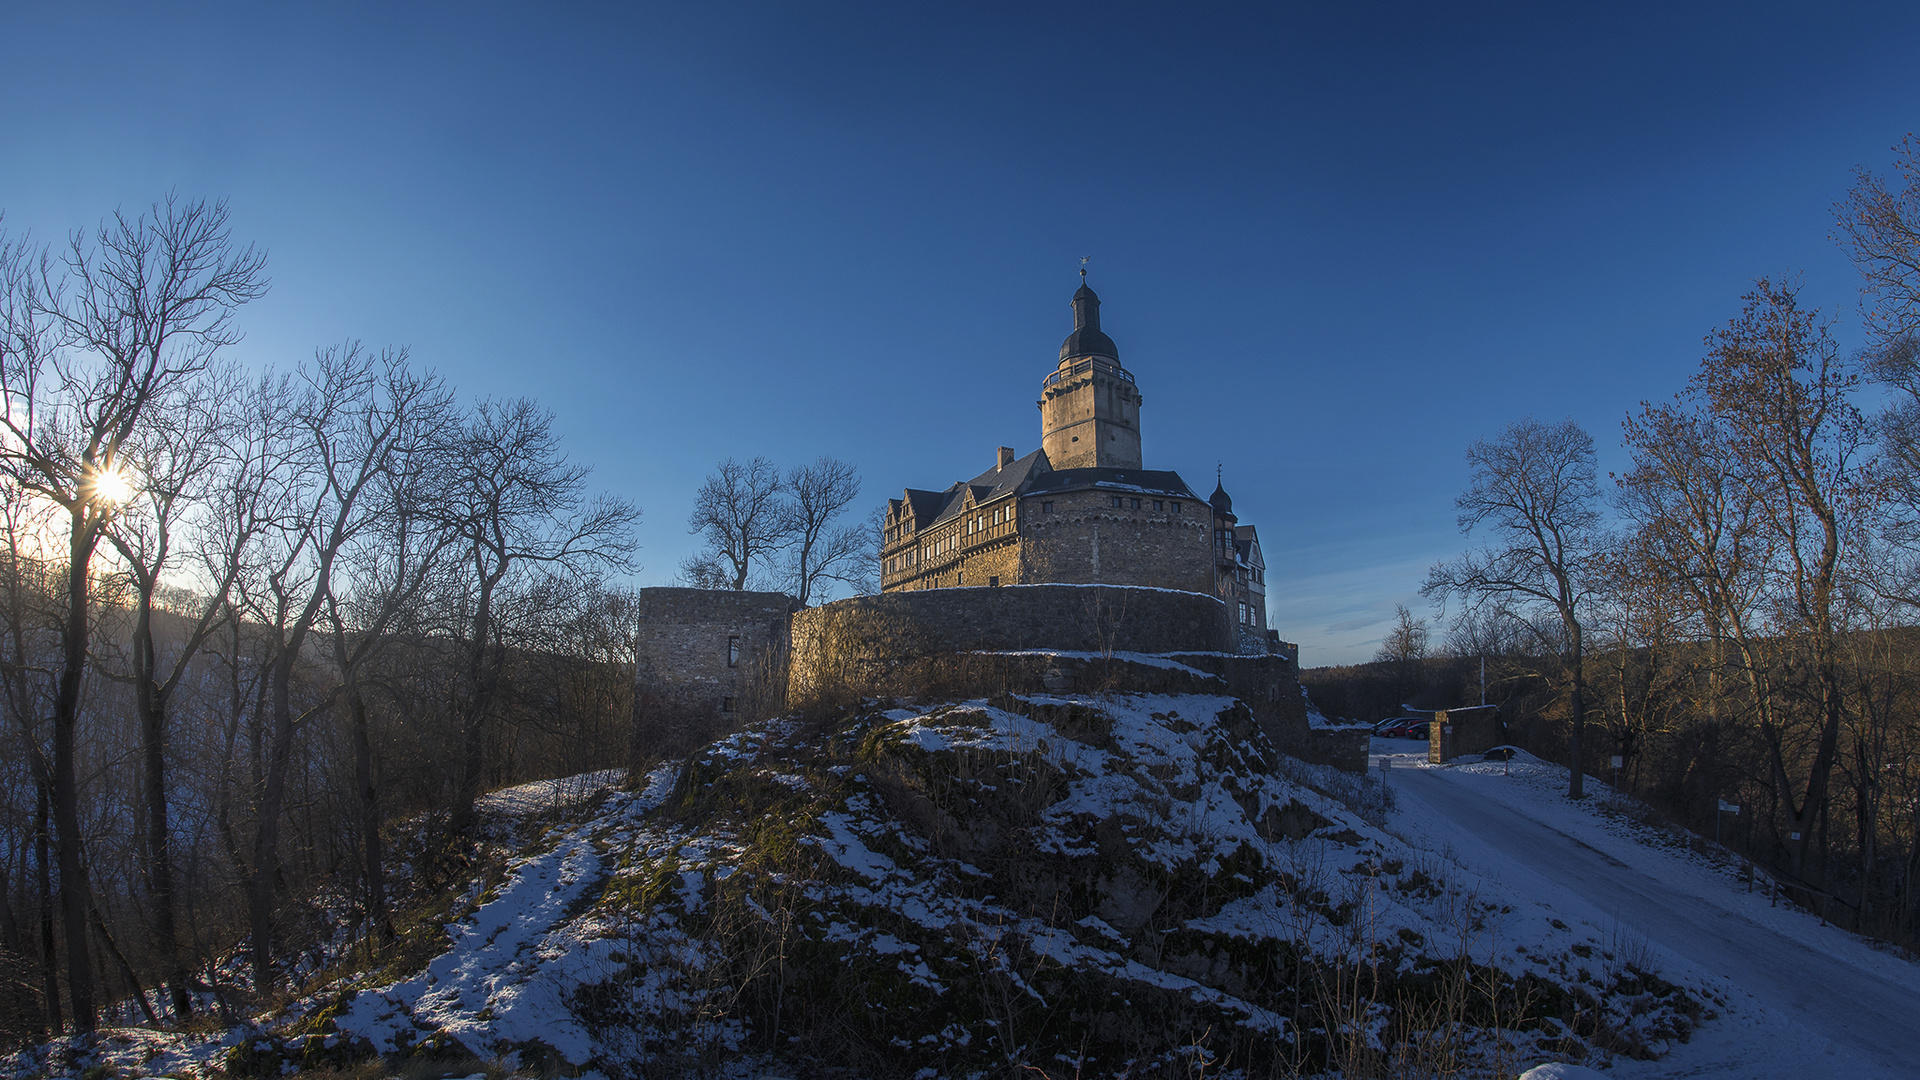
(112, 486)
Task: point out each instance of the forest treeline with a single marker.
(1733, 614)
(246, 618)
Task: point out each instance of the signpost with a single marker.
(1725, 808)
(1617, 761)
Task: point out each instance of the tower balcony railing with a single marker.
(1081, 367)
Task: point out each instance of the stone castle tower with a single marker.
(1090, 406)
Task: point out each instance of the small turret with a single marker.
(1221, 502)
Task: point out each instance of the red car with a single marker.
(1404, 729)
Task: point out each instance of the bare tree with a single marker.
(89, 345)
(1879, 225)
(1775, 381)
(1534, 489)
(1406, 642)
(518, 506)
(742, 521)
(176, 467)
(325, 441)
(817, 495)
(384, 573)
(1404, 648)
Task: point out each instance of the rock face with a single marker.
(1127, 884)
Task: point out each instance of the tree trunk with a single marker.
(1576, 782)
(151, 700)
(66, 790)
(483, 680)
(266, 837)
(379, 923)
(49, 951)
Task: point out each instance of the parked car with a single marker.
(1403, 728)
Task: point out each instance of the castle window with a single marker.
(993, 583)
(1046, 508)
(1157, 505)
(1118, 502)
(726, 704)
(960, 578)
(1243, 612)
(1175, 507)
(733, 650)
(1136, 504)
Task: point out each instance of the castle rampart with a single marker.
(1070, 618)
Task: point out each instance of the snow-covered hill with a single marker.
(1127, 885)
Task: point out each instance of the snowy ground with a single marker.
(1802, 999)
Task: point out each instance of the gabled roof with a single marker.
(923, 506)
(1140, 481)
(990, 485)
(1033, 475)
(1246, 541)
(933, 507)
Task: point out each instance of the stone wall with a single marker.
(711, 660)
(1085, 538)
(1459, 732)
(708, 659)
(862, 631)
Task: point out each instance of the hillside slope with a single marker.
(1122, 885)
(1080, 886)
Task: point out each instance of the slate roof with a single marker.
(1087, 338)
(1032, 475)
(1245, 540)
(1148, 481)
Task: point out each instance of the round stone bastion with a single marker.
(894, 627)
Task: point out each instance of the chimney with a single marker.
(1006, 457)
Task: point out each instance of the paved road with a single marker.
(1876, 1017)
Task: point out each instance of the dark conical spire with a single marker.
(1086, 339)
(1221, 502)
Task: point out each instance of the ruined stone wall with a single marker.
(1085, 538)
(708, 660)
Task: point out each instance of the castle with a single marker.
(1073, 567)
(1083, 508)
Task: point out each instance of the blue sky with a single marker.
(1335, 243)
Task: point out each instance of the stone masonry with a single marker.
(706, 659)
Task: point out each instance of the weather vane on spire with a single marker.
(1083, 268)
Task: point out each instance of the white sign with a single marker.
(1793, 836)
(1618, 761)
(1728, 808)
